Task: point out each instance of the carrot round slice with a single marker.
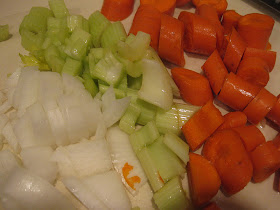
(171, 40)
(200, 34)
(116, 10)
(164, 6)
(255, 29)
(237, 93)
(258, 108)
(226, 151)
(180, 3)
(230, 19)
(220, 5)
(274, 114)
(202, 188)
(233, 120)
(194, 88)
(254, 70)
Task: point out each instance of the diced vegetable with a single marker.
(4, 32)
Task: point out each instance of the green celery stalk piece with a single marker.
(30, 60)
(128, 120)
(89, 84)
(57, 30)
(72, 67)
(4, 32)
(79, 21)
(59, 8)
(185, 112)
(31, 41)
(118, 92)
(134, 83)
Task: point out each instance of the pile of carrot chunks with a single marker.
(236, 72)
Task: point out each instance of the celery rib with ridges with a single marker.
(4, 32)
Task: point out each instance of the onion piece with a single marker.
(10, 137)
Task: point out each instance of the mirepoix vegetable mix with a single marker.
(101, 55)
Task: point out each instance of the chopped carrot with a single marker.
(202, 188)
(254, 70)
(212, 206)
(220, 5)
(194, 87)
(202, 124)
(234, 51)
(266, 160)
(130, 180)
(255, 29)
(276, 141)
(268, 46)
(233, 120)
(180, 3)
(268, 56)
(215, 71)
(230, 19)
(237, 93)
(164, 6)
(251, 136)
(223, 49)
(171, 40)
(226, 151)
(200, 34)
(116, 10)
(274, 114)
(258, 108)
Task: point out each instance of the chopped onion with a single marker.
(10, 137)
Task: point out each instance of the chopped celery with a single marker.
(72, 67)
(89, 84)
(53, 59)
(119, 93)
(114, 33)
(167, 121)
(144, 136)
(130, 39)
(151, 171)
(128, 120)
(59, 8)
(4, 32)
(38, 54)
(57, 64)
(31, 41)
(57, 30)
(133, 69)
(94, 56)
(177, 145)
(185, 112)
(30, 60)
(97, 24)
(167, 163)
(134, 83)
(79, 21)
(123, 83)
(172, 196)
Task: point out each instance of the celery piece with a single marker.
(31, 41)
(108, 69)
(94, 56)
(79, 21)
(114, 33)
(47, 42)
(4, 32)
(123, 83)
(134, 50)
(59, 8)
(38, 54)
(144, 136)
(130, 39)
(89, 84)
(172, 196)
(128, 120)
(185, 112)
(61, 49)
(178, 146)
(167, 121)
(53, 59)
(151, 171)
(57, 30)
(118, 93)
(30, 60)
(97, 24)
(134, 83)
(57, 64)
(167, 163)
(72, 67)
(133, 69)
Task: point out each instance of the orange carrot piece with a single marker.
(215, 71)
(276, 141)
(180, 3)
(233, 120)
(194, 87)
(268, 56)
(274, 114)
(164, 6)
(202, 188)
(230, 19)
(254, 70)
(234, 51)
(130, 180)
(258, 108)
(202, 124)
(200, 34)
(116, 10)
(268, 46)
(255, 29)
(251, 136)
(171, 40)
(266, 160)
(212, 206)
(223, 49)
(226, 151)
(147, 19)
(237, 93)
(220, 5)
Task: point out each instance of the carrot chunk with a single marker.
(147, 19)
(234, 51)
(254, 70)
(200, 34)
(164, 6)
(268, 56)
(274, 114)
(194, 87)
(237, 93)
(258, 108)
(266, 160)
(116, 10)
(255, 29)
(202, 188)
(230, 19)
(215, 71)
(180, 3)
(226, 151)
(171, 40)
(202, 124)
(233, 120)
(276, 141)
(251, 136)
(212, 206)
(220, 5)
